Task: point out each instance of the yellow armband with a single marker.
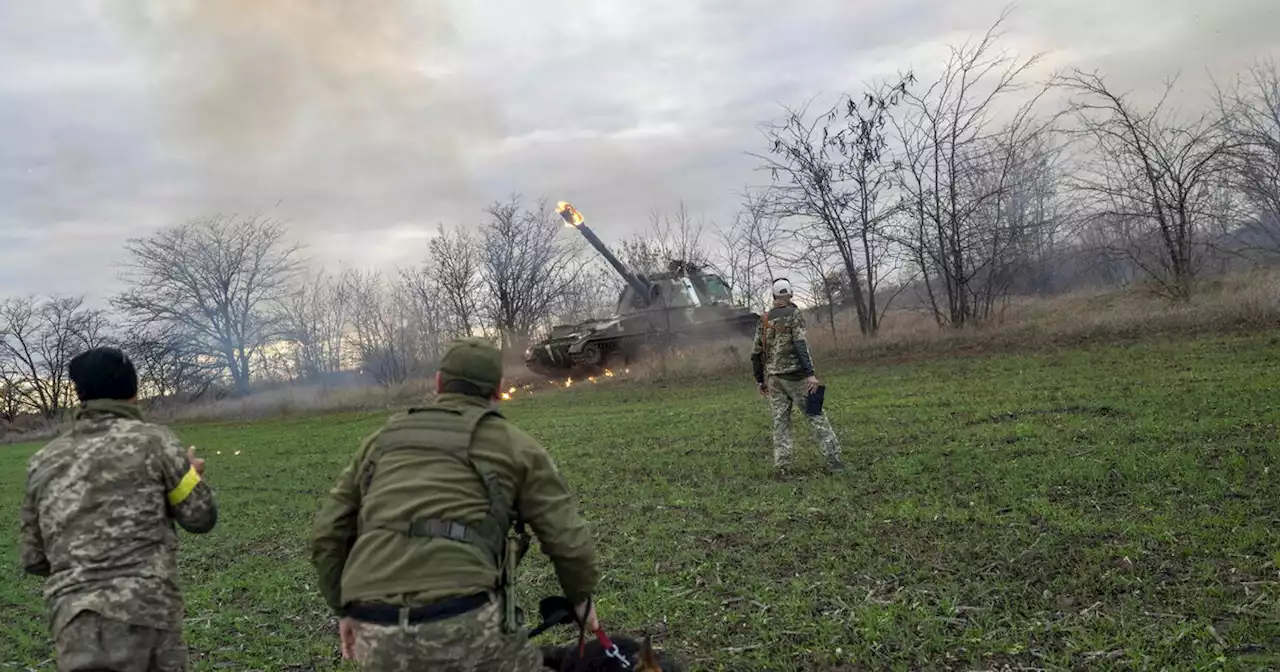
(183, 490)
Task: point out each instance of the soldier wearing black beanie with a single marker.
(103, 373)
(99, 522)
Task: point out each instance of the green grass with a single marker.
(1101, 508)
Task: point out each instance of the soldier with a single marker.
(412, 545)
(97, 522)
(781, 353)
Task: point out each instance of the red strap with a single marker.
(605, 643)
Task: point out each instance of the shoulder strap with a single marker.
(497, 510)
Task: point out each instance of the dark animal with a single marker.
(641, 656)
(593, 657)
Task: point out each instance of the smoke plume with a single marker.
(283, 96)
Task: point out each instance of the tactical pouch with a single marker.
(813, 401)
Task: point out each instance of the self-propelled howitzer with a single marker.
(683, 305)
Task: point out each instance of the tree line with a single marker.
(217, 305)
(969, 188)
(947, 196)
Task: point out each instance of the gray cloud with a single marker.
(365, 130)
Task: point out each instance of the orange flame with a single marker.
(506, 396)
(608, 373)
(569, 214)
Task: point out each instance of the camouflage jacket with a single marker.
(98, 516)
(780, 347)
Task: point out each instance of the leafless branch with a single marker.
(215, 281)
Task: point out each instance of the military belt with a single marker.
(428, 528)
(386, 614)
(435, 527)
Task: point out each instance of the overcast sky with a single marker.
(364, 129)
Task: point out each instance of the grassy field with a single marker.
(1102, 508)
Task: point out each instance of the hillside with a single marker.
(1101, 507)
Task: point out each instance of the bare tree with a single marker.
(10, 395)
(381, 327)
(668, 241)
(215, 281)
(1251, 111)
(1007, 229)
(455, 272)
(752, 249)
(1156, 181)
(525, 267)
(19, 333)
(166, 367)
(828, 283)
(958, 173)
(1039, 212)
(678, 238)
(835, 173)
(38, 340)
(593, 294)
(642, 255)
(425, 309)
(314, 317)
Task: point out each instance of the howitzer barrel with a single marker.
(574, 219)
(641, 288)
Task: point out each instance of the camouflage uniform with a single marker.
(471, 641)
(97, 521)
(418, 521)
(781, 354)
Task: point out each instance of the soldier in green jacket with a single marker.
(413, 545)
(784, 373)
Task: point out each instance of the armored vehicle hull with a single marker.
(592, 347)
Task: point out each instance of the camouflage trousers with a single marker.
(471, 642)
(92, 643)
(783, 395)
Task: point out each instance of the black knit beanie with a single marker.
(103, 373)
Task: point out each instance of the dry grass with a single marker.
(1240, 303)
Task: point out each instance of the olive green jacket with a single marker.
(388, 567)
